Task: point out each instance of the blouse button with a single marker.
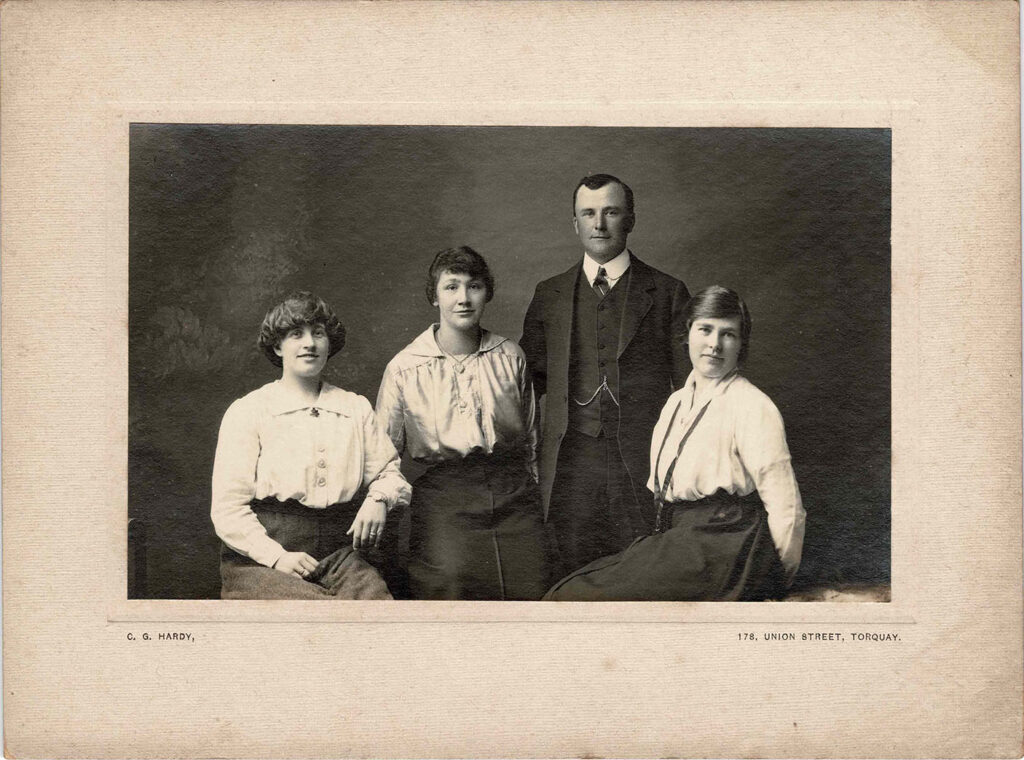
(461, 369)
(321, 447)
(321, 481)
(321, 463)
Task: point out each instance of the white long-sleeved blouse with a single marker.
(274, 444)
(440, 410)
(739, 446)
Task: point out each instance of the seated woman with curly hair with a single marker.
(730, 522)
(294, 458)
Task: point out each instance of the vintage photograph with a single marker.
(645, 376)
(509, 363)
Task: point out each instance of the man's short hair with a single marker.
(461, 260)
(597, 181)
(298, 310)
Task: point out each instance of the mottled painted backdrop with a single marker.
(224, 220)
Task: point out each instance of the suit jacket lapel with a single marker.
(638, 301)
(561, 317)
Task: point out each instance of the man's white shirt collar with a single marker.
(614, 269)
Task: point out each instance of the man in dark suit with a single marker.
(605, 343)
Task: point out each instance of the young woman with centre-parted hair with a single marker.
(729, 518)
(459, 399)
(294, 461)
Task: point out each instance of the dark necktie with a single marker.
(601, 282)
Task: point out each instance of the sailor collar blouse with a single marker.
(275, 444)
(439, 408)
(739, 446)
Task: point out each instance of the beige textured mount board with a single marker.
(936, 671)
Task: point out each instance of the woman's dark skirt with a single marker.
(718, 549)
(342, 573)
(477, 532)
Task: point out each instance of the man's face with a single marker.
(602, 221)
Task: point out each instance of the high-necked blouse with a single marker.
(440, 408)
(739, 446)
(273, 443)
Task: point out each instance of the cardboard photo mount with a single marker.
(935, 672)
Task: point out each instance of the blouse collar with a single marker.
(715, 387)
(426, 343)
(331, 398)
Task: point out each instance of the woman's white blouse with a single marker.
(739, 445)
(271, 444)
(440, 410)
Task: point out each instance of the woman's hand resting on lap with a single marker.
(298, 564)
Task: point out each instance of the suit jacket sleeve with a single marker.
(534, 345)
(680, 354)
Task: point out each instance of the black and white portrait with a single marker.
(460, 349)
(643, 378)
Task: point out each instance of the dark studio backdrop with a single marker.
(226, 220)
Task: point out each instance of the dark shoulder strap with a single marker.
(679, 451)
(660, 491)
(661, 449)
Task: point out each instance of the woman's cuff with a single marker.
(266, 551)
(378, 496)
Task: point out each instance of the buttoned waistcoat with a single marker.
(652, 361)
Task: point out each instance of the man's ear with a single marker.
(630, 223)
(575, 224)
